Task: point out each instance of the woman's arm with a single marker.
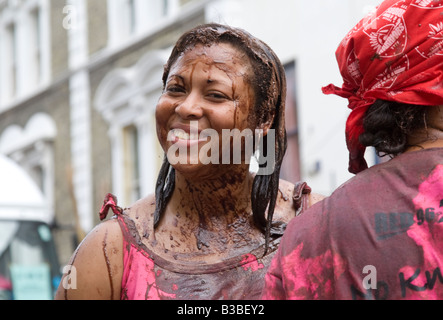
(96, 266)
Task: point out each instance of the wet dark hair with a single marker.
(269, 82)
(387, 126)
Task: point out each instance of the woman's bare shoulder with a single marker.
(96, 267)
(143, 207)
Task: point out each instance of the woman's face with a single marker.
(206, 92)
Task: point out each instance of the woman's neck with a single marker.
(433, 138)
(211, 216)
(214, 199)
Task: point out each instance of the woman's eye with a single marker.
(175, 89)
(217, 96)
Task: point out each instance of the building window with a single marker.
(166, 6)
(11, 47)
(24, 43)
(135, 17)
(38, 174)
(8, 63)
(131, 163)
(131, 16)
(290, 169)
(36, 45)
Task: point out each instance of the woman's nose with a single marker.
(190, 108)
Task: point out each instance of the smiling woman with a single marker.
(212, 227)
(205, 88)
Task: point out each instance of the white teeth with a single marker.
(183, 135)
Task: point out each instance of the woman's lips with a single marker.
(187, 137)
(183, 135)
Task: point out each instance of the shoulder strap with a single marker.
(110, 202)
(300, 197)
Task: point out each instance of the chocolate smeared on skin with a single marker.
(269, 84)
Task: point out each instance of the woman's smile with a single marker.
(186, 135)
(205, 93)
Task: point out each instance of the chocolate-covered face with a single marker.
(206, 91)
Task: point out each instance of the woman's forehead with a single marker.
(221, 55)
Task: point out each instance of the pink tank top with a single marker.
(147, 275)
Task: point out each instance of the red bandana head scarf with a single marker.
(394, 54)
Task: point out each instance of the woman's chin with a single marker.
(194, 171)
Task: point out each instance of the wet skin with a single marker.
(432, 135)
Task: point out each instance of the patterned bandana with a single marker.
(394, 54)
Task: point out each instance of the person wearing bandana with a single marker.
(380, 234)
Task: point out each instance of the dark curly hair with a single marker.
(269, 83)
(387, 126)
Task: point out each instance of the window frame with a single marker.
(30, 31)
